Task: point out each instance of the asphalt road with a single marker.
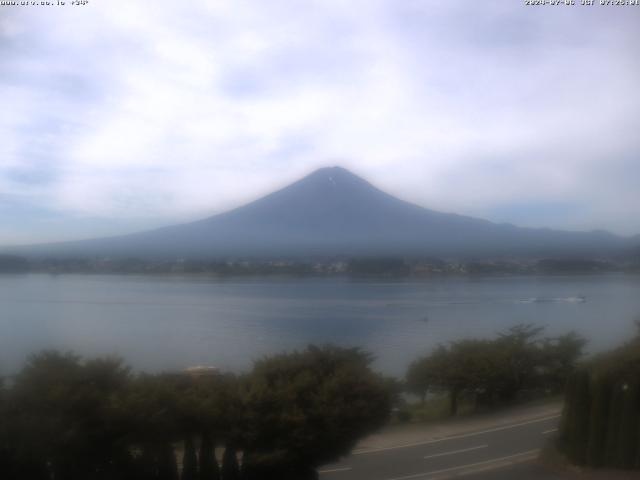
(504, 451)
(521, 471)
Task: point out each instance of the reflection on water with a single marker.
(172, 322)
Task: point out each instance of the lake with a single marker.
(164, 323)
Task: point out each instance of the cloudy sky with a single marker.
(119, 116)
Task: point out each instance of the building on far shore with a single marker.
(198, 371)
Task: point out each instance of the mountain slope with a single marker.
(334, 212)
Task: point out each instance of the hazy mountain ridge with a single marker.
(333, 212)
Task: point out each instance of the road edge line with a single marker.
(455, 437)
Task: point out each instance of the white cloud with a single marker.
(162, 111)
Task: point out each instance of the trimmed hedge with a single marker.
(600, 426)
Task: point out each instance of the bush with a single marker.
(92, 420)
(602, 411)
(499, 370)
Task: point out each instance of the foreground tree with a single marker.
(209, 469)
(426, 374)
(600, 426)
(490, 371)
(230, 467)
(309, 408)
(69, 419)
(559, 357)
(520, 347)
(64, 416)
(189, 460)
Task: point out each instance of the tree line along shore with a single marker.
(370, 266)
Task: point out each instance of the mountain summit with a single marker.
(333, 212)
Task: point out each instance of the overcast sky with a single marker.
(123, 115)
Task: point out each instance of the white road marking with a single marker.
(469, 465)
(553, 430)
(456, 451)
(334, 470)
(455, 437)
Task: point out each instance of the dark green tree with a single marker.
(209, 469)
(612, 446)
(521, 348)
(559, 357)
(613, 424)
(499, 370)
(423, 375)
(189, 460)
(598, 420)
(155, 420)
(575, 432)
(230, 467)
(308, 408)
(630, 424)
(167, 466)
(65, 415)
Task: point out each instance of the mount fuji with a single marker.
(333, 212)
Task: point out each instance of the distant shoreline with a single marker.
(368, 267)
(317, 275)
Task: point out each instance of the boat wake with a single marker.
(576, 299)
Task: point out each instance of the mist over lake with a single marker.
(165, 323)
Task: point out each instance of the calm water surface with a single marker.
(158, 323)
